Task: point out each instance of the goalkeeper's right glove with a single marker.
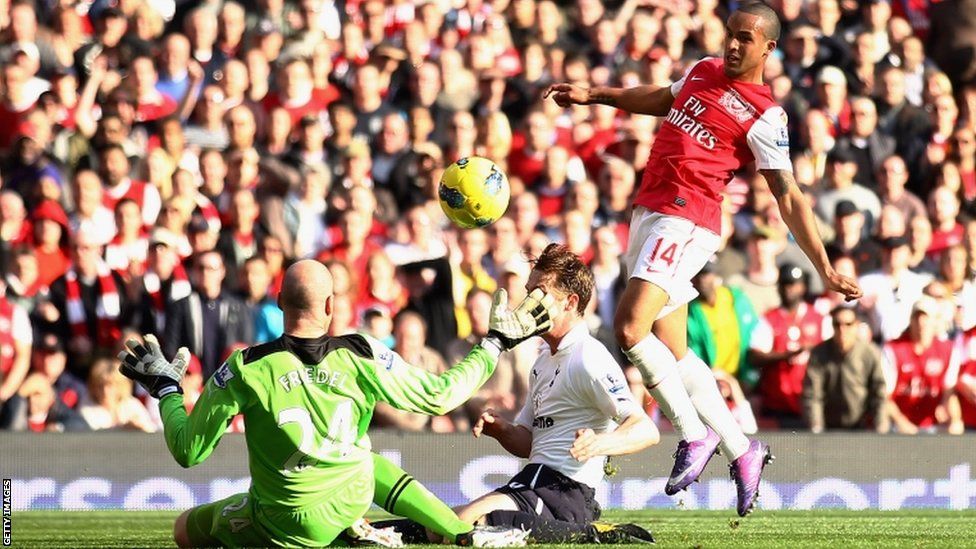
(146, 365)
(533, 316)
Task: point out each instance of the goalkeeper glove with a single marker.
(146, 365)
(533, 316)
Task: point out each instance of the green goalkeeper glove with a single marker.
(533, 316)
(146, 365)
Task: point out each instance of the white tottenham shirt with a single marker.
(580, 386)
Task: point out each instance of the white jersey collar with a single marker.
(574, 335)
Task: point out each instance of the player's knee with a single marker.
(469, 513)
(180, 534)
(633, 376)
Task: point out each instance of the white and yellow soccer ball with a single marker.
(474, 192)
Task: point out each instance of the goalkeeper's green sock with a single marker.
(398, 493)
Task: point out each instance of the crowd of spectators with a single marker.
(163, 161)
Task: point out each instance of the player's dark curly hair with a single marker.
(569, 273)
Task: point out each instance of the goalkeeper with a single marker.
(307, 400)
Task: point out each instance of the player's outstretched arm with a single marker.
(414, 390)
(392, 380)
(653, 100)
(799, 218)
(190, 438)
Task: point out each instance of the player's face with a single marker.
(565, 303)
(746, 47)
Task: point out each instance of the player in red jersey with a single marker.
(719, 118)
(921, 372)
(966, 387)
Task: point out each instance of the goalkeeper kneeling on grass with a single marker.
(307, 400)
(579, 411)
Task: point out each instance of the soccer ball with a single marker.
(473, 192)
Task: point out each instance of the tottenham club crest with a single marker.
(738, 108)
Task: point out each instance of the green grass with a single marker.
(827, 529)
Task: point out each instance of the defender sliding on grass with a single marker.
(578, 411)
(307, 400)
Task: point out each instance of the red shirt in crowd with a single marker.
(781, 384)
(916, 12)
(358, 264)
(316, 104)
(590, 151)
(551, 201)
(917, 381)
(716, 126)
(10, 118)
(144, 194)
(942, 240)
(155, 107)
(51, 265)
(967, 377)
(528, 165)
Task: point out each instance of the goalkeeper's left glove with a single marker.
(533, 316)
(146, 365)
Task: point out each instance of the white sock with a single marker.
(704, 393)
(660, 370)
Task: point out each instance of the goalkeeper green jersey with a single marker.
(307, 404)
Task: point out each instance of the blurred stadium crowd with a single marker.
(162, 162)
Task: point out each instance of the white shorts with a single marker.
(668, 251)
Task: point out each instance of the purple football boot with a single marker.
(689, 461)
(746, 471)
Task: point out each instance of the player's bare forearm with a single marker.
(652, 100)
(515, 439)
(634, 434)
(798, 216)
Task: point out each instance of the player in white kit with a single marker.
(578, 412)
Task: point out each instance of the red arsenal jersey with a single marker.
(781, 384)
(967, 376)
(716, 126)
(917, 381)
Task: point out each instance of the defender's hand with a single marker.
(566, 95)
(585, 446)
(532, 317)
(488, 424)
(843, 285)
(146, 365)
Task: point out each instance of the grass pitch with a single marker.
(688, 529)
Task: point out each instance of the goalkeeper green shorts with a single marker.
(237, 521)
